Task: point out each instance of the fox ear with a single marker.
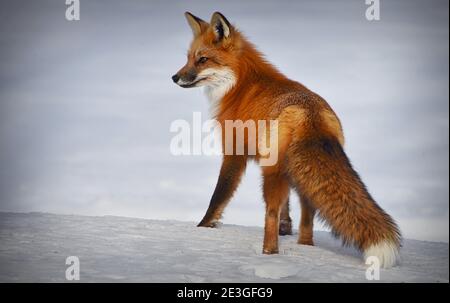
(197, 25)
(222, 27)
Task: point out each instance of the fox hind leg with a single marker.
(285, 220)
(306, 222)
(276, 191)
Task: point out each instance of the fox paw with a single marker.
(211, 224)
(306, 242)
(270, 251)
(285, 228)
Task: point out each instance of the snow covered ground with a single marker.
(34, 248)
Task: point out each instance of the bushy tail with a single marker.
(321, 171)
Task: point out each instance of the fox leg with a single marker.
(306, 222)
(231, 172)
(285, 220)
(276, 191)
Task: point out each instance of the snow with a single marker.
(34, 248)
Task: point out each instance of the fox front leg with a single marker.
(231, 172)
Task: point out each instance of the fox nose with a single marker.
(175, 78)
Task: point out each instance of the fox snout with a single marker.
(175, 78)
(185, 78)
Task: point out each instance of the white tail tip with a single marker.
(386, 252)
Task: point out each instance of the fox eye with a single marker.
(202, 60)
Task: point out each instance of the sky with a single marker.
(86, 106)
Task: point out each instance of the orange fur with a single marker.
(311, 158)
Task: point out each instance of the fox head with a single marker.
(211, 59)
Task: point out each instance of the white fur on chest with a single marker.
(220, 81)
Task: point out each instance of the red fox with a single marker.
(243, 86)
